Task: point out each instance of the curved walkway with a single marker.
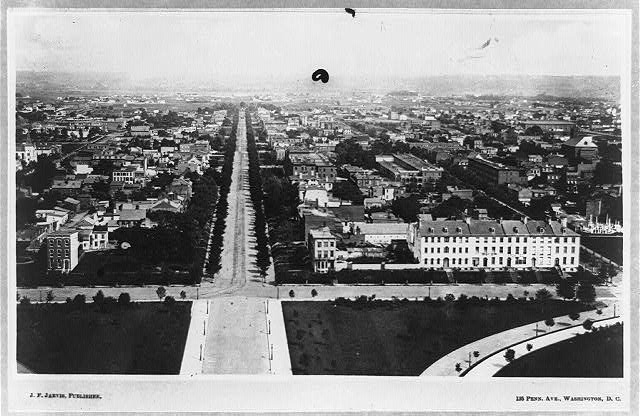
(492, 364)
(488, 346)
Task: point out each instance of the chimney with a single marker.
(525, 219)
(563, 221)
(467, 219)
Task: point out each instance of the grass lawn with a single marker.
(139, 338)
(591, 355)
(397, 337)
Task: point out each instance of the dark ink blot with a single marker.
(320, 74)
(350, 11)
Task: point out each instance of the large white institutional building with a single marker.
(487, 244)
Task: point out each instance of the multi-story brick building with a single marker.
(62, 250)
(487, 244)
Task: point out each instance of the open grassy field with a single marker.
(138, 338)
(398, 337)
(590, 355)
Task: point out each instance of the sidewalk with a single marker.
(194, 346)
(236, 339)
(491, 365)
(281, 361)
(446, 366)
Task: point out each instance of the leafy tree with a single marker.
(99, 297)
(529, 347)
(458, 367)
(79, 299)
(124, 298)
(406, 208)
(449, 298)
(25, 300)
(510, 355)
(586, 292)
(183, 294)
(292, 294)
(314, 292)
(574, 316)
(49, 296)
(566, 289)
(588, 324)
(161, 292)
(550, 322)
(543, 294)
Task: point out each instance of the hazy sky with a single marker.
(283, 44)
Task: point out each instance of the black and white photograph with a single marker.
(288, 209)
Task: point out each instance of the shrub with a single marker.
(550, 322)
(449, 298)
(598, 311)
(314, 292)
(49, 296)
(510, 355)
(25, 300)
(463, 298)
(476, 353)
(183, 294)
(169, 301)
(292, 294)
(458, 367)
(588, 324)
(124, 298)
(574, 316)
(529, 347)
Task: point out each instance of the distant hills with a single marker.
(605, 88)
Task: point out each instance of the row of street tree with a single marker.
(255, 187)
(222, 208)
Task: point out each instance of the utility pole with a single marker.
(469, 360)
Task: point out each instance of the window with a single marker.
(331, 254)
(453, 261)
(466, 250)
(517, 250)
(501, 240)
(431, 261)
(66, 253)
(426, 261)
(332, 243)
(501, 249)
(524, 239)
(446, 239)
(508, 240)
(524, 250)
(572, 260)
(438, 250)
(573, 249)
(486, 249)
(493, 260)
(500, 260)
(557, 249)
(66, 242)
(446, 249)
(466, 261)
(431, 250)
(453, 250)
(426, 250)
(564, 259)
(517, 240)
(509, 250)
(565, 249)
(486, 240)
(493, 240)
(573, 240)
(438, 240)
(477, 249)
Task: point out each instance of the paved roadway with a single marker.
(236, 340)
